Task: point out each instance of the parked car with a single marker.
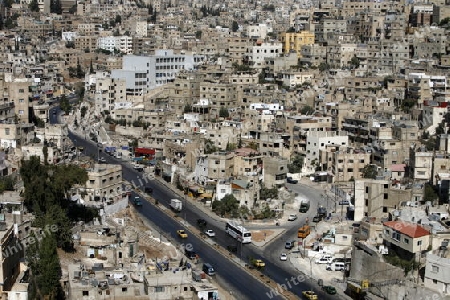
(283, 257)
(182, 234)
(310, 295)
(329, 289)
(232, 248)
(258, 263)
(289, 245)
(101, 160)
(148, 190)
(201, 223)
(137, 201)
(190, 254)
(292, 217)
(210, 233)
(317, 219)
(325, 259)
(291, 180)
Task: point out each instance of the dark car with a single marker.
(232, 249)
(317, 219)
(191, 254)
(329, 289)
(201, 222)
(292, 181)
(148, 190)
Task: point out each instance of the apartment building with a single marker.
(274, 171)
(407, 239)
(339, 55)
(328, 29)
(104, 182)
(262, 51)
(143, 73)
(105, 91)
(86, 42)
(16, 98)
(437, 266)
(344, 163)
(13, 249)
(238, 49)
(122, 44)
(318, 140)
(294, 41)
(313, 55)
(220, 165)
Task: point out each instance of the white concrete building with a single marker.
(258, 31)
(265, 50)
(143, 73)
(201, 169)
(123, 44)
(223, 188)
(318, 140)
(437, 272)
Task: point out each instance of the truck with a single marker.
(304, 206)
(322, 212)
(303, 232)
(176, 204)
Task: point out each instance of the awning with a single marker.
(206, 195)
(197, 189)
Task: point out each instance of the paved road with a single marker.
(247, 286)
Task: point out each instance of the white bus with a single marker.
(238, 232)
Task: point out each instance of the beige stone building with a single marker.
(220, 165)
(104, 182)
(274, 171)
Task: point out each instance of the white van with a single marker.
(336, 266)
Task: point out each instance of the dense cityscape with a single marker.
(212, 150)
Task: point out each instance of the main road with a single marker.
(247, 286)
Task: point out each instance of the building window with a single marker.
(124, 289)
(85, 293)
(6, 131)
(159, 289)
(21, 112)
(21, 91)
(406, 241)
(435, 281)
(419, 243)
(434, 269)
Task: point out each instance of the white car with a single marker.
(210, 233)
(283, 256)
(292, 217)
(326, 259)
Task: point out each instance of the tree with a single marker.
(45, 268)
(79, 71)
(266, 193)
(227, 206)
(370, 171)
(64, 104)
(83, 111)
(187, 108)
(235, 26)
(355, 62)
(55, 7)
(223, 112)
(429, 194)
(210, 147)
(34, 6)
(323, 67)
(296, 164)
(307, 110)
